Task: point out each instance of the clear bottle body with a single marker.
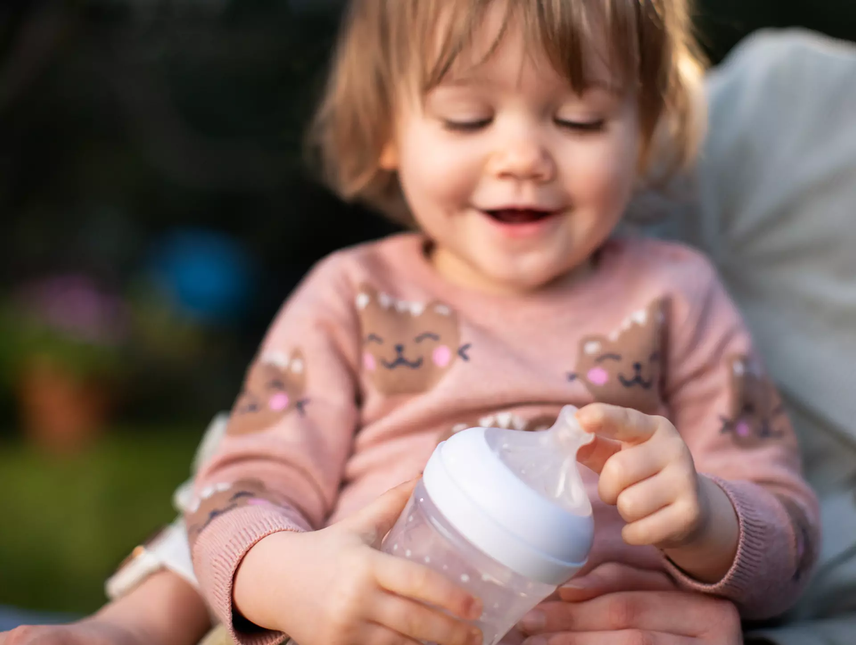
(422, 534)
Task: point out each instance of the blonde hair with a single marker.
(384, 43)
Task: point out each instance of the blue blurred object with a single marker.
(10, 618)
(206, 274)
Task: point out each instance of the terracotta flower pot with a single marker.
(60, 411)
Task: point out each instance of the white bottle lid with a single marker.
(501, 515)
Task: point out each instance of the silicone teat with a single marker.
(547, 461)
(569, 437)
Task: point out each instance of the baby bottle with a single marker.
(502, 513)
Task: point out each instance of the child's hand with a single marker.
(647, 472)
(649, 475)
(333, 587)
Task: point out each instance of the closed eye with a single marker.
(607, 357)
(426, 336)
(466, 126)
(374, 338)
(582, 126)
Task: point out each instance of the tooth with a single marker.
(443, 310)
(385, 300)
(487, 422)
(417, 308)
(519, 423)
(402, 306)
(363, 301)
(459, 428)
(503, 419)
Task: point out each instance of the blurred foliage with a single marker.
(68, 523)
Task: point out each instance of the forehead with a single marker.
(502, 41)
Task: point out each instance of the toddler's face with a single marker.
(514, 176)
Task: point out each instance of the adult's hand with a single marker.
(88, 632)
(617, 604)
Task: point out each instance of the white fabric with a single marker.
(775, 208)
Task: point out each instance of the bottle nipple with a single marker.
(569, 437)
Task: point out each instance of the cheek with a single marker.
(278, 402)
(601, 173)
(442, 356)
(437, 176)
(597, 376)
(369, 362)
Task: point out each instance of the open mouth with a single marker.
(517, 216)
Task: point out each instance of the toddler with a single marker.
(510, 134)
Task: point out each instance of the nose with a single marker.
(523, 158)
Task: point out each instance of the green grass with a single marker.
(66, 523)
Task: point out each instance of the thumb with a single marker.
(612, 577)
(374, 521)
(594, 455)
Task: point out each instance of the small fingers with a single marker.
(629, 467)
(646, 497)
(615, 422)
(423, 623)
(595, 454)
(669, 527)
(418, 582)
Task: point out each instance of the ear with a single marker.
(389, 157)
(591, 345)
(366, 296)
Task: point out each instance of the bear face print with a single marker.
(626, 367)
(217, 499)
(274, 387)
(756, 412)
(407, 347)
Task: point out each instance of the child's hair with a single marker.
(384, 44)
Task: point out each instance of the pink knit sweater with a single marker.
(375, 358)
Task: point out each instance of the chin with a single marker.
(528, 279)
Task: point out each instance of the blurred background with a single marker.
(155, 211)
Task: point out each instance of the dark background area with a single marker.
(151, 168)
